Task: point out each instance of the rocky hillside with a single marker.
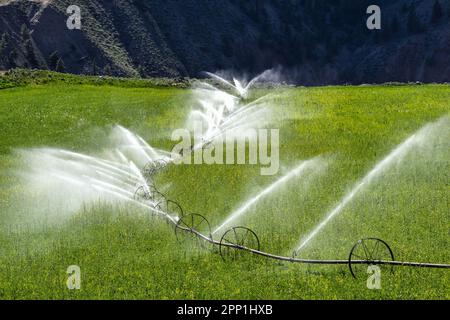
(311, 41)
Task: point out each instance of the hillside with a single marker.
(312, 42)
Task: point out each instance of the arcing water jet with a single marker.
(121, 169)
(85, 178)
(297, 172)
(241, 87)
(417, 140)
(220, 111)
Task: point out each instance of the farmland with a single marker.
(125, 253)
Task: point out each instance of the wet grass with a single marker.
(125, 253)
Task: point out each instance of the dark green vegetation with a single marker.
(124, 253)
(23, 77)
(317, 42)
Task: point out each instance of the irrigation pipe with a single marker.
(293, 259)
(365, 252)
(311, 261)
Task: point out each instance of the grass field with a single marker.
(124, 253)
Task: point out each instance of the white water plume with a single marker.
(75, 179)
(220, 111)
(297, 172)
(68, 180)
(241, 87)
(419, 139)
(131, 146)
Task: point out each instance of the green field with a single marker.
(124, 253)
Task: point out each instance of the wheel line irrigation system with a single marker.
(188, 223)
(121, 178)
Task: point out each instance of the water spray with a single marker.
(122, 179)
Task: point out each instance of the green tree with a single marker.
(24, 32)
(60, 67)
(53, 59)
(94, 68)
(107, 70)
(12, 57)
(28, 45)
(4, 43)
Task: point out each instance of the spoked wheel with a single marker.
(159, 201)
(153, 167)
(151, 197)
(141, 194)
(173, 208)
(236, 238)
(191, 225)
(168, 207)
(144, 193)
(368, 251)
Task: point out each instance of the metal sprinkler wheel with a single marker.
(239, 240)
(153, 167)
(159, 201)
(143, 193)
(152, 197)
(174, 208)
(168, 207)
(235, 239)
(196, 226)
(368, 251)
